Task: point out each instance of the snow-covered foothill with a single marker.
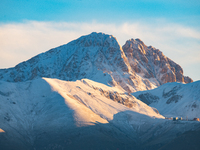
(44, 113)
(174, 99)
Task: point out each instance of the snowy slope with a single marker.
(174, 99)
(98, 57)
(54, 114)
(90, 101)
(33, 108)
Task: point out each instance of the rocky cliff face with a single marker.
(151, 63)
(100, 57)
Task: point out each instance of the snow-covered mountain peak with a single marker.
(151, 63)
(97, 39)
(99, 57)
(135, 44)
(96, 56)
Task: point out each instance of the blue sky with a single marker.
(29, 27)
(87, 10)
(184, 11)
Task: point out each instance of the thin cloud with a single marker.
(21, 41)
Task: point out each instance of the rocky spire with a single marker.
(151, 63)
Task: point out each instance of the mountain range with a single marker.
(99, 57)
(93, 93)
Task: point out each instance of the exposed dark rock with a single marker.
(174, 98)
(148, 98)
(171, 92)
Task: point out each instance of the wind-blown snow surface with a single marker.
(174, 99)
(54, 114)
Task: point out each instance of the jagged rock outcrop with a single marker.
(152, 64)
(100, 57)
